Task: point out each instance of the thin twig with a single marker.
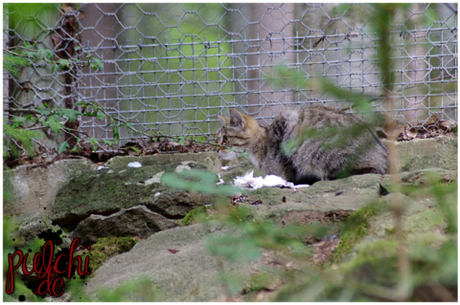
(23, 110)
(404, 285)
(17, 144)
(41, 144)
(14, 53)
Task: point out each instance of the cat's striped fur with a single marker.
(331, 144)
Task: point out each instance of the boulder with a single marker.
(108, 191)
(177, 262)
(425, 153)
(30, 224)
(136, 221)
(34, 188)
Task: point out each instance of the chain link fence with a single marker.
(171, 68)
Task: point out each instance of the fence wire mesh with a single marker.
(171, 68)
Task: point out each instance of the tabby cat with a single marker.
(325, 144)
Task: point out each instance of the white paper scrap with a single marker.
(248, 180)
(220, 180)
(134, 164)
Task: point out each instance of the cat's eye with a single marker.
(224, 139)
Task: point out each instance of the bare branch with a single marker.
(17, 144)
(23, 110)
(41, 144)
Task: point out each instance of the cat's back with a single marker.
(289, 122)
(320, 117)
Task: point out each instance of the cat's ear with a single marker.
(223, 120)
(236, 118)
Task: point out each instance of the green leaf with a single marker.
(197, 181)
(93, 141)
(28, 46)
(31, 55)
(107, 142)
(64, 63)
(43, 111)
(116, 135)
(43, 121)
(55, 125)
(18, 121)
(63, 147)
(45, 53)
(54, 68)
(70, 114)
(100, 115)
(97, 65)
(137, 150)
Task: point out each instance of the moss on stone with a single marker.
(354, 229)
(198, 215)
(106, 248)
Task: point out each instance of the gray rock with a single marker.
(30, 224)
(34, 188)
(425, 153)
(420, 222)
(190, 274)
(108, 191)
(212, 161)
(175, 204)
(136, 221)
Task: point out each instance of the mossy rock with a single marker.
(108, 191)
(106, 248)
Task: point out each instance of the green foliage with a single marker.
(16, 139)
(63, 147)
(197, 181)
(97, 65)
(355, 228)
(94, 109)
(445, 195)
(93, 141)
(381, 26)
(196, 215)
(142, 290)
(107, 247)
(49, 117)
(14, 63)
(108, 142)
(233, 248)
